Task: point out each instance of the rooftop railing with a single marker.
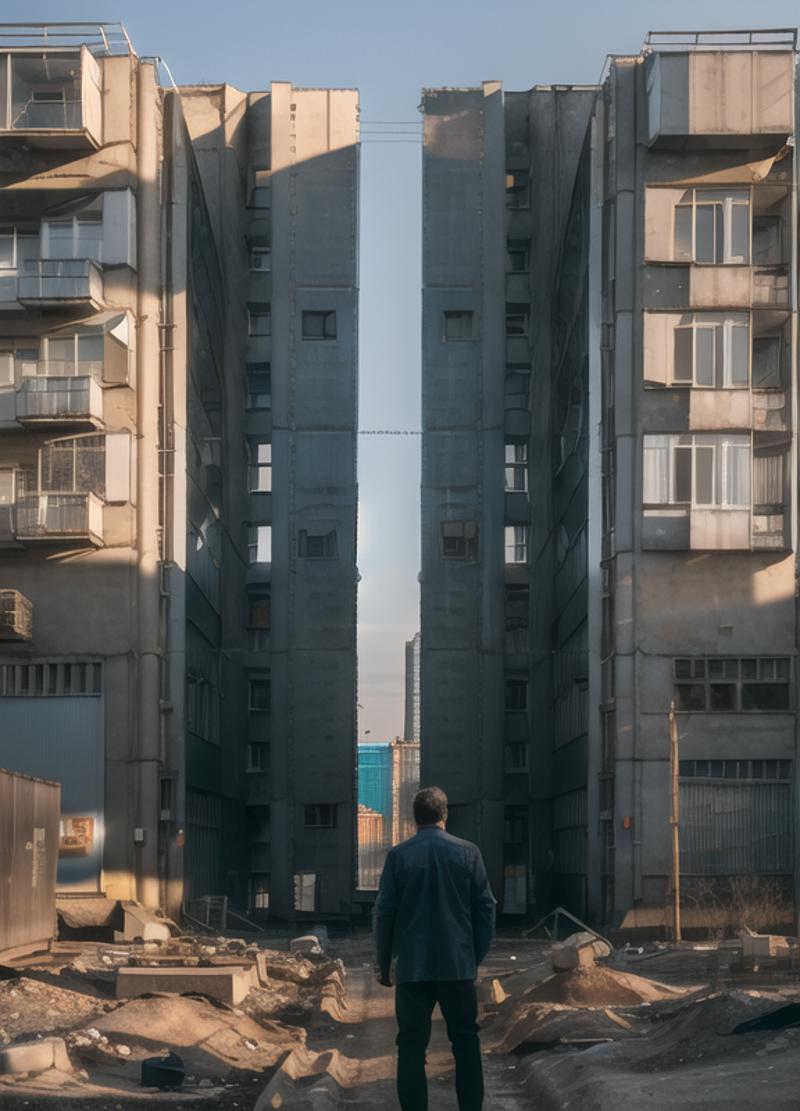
(103, 39)
(772, 38)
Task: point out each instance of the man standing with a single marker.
(435, 915)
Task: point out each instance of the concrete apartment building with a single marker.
(411, 717)
(609, 476)
(178, 313)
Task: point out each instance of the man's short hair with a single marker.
(430, 806)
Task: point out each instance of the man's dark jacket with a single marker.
(435, 909)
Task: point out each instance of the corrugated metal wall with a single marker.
(29, 816)
(735, 828)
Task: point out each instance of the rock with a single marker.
(81, 1042)
(123, 1050)
(93, 1033)
(35, 1056)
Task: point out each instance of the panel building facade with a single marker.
(609, 343)
(177, 473)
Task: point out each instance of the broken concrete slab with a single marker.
(764, 946)
(139, 922)
(309, 943)
(229, 984)
(567, 955)
(45, 1053)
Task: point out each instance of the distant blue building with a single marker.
(375, 778)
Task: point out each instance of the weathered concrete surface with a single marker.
(47, 1053)
(228, 985)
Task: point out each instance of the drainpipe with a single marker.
(146, 784)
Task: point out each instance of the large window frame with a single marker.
(700, 471)
(713, 227)
(712, 353)
(724, 684)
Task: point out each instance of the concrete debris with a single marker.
(757, 947)
(46, 1053)
(309, 943)
(599, 987)
(228, 985)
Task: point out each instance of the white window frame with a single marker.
(264, 254)
(709, 197)
(5, 230)
(728, 326)
(76, 221)
(720, 467)
(260, 468)
(516, 544)
(259, 543)
(516, 467)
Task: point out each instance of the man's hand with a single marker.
(383, 978)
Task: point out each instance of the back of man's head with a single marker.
(430, 806)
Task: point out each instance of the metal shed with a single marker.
(30, 811)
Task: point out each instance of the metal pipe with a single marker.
(146, 757)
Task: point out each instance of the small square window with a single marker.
(459, 540)
(320, 815)
(317, 545)
(457, 324)
(259, 318)
(318, 324)
(260, 695)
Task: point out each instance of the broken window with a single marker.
(722, 684)
(319, 325)
(459, 540)
(712, 226)
(259, 318)
(457, 324)
(316, 543)
(320, 815)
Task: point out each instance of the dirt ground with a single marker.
(648, 1029)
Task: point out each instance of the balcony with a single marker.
(55, 517)
(50, 99)
(16, 616)
(61, 283)
(47, 402)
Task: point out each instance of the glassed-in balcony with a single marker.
(51, 99)
(54, 401)
(61, 283)
(55, 517)
(16, 616)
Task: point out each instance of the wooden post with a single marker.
(674, 821)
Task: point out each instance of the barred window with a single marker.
(51, 678)
(736, 769)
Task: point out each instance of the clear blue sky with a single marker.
(389, 52)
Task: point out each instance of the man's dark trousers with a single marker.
(414, 1003)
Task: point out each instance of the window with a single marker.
(767, 235)
(77, 237)
(260, 258)
(76, 465)
(258, 756)
(457, 324)
(259, 190)
(313, 544)
(259, 318)
(517, 318)
(516, 695)
(712, 226)
(780, 770)
(259, 543)
(459, 540)
(8, 247)
(259, 695)
(259, 611)
(305, 891)
(712, 352)
(320, 815)
(517, 598)
(767, 371)
(260, 468)
(516, 753)
(517, 467)
(724, 684)
(704, 470)
(259, 386)
(516, 543)
(517, 255)
(65, 356)
(202, 708)
(319, 325)
(517, 188)
(259, 891)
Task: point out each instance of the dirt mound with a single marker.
(598, 987)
